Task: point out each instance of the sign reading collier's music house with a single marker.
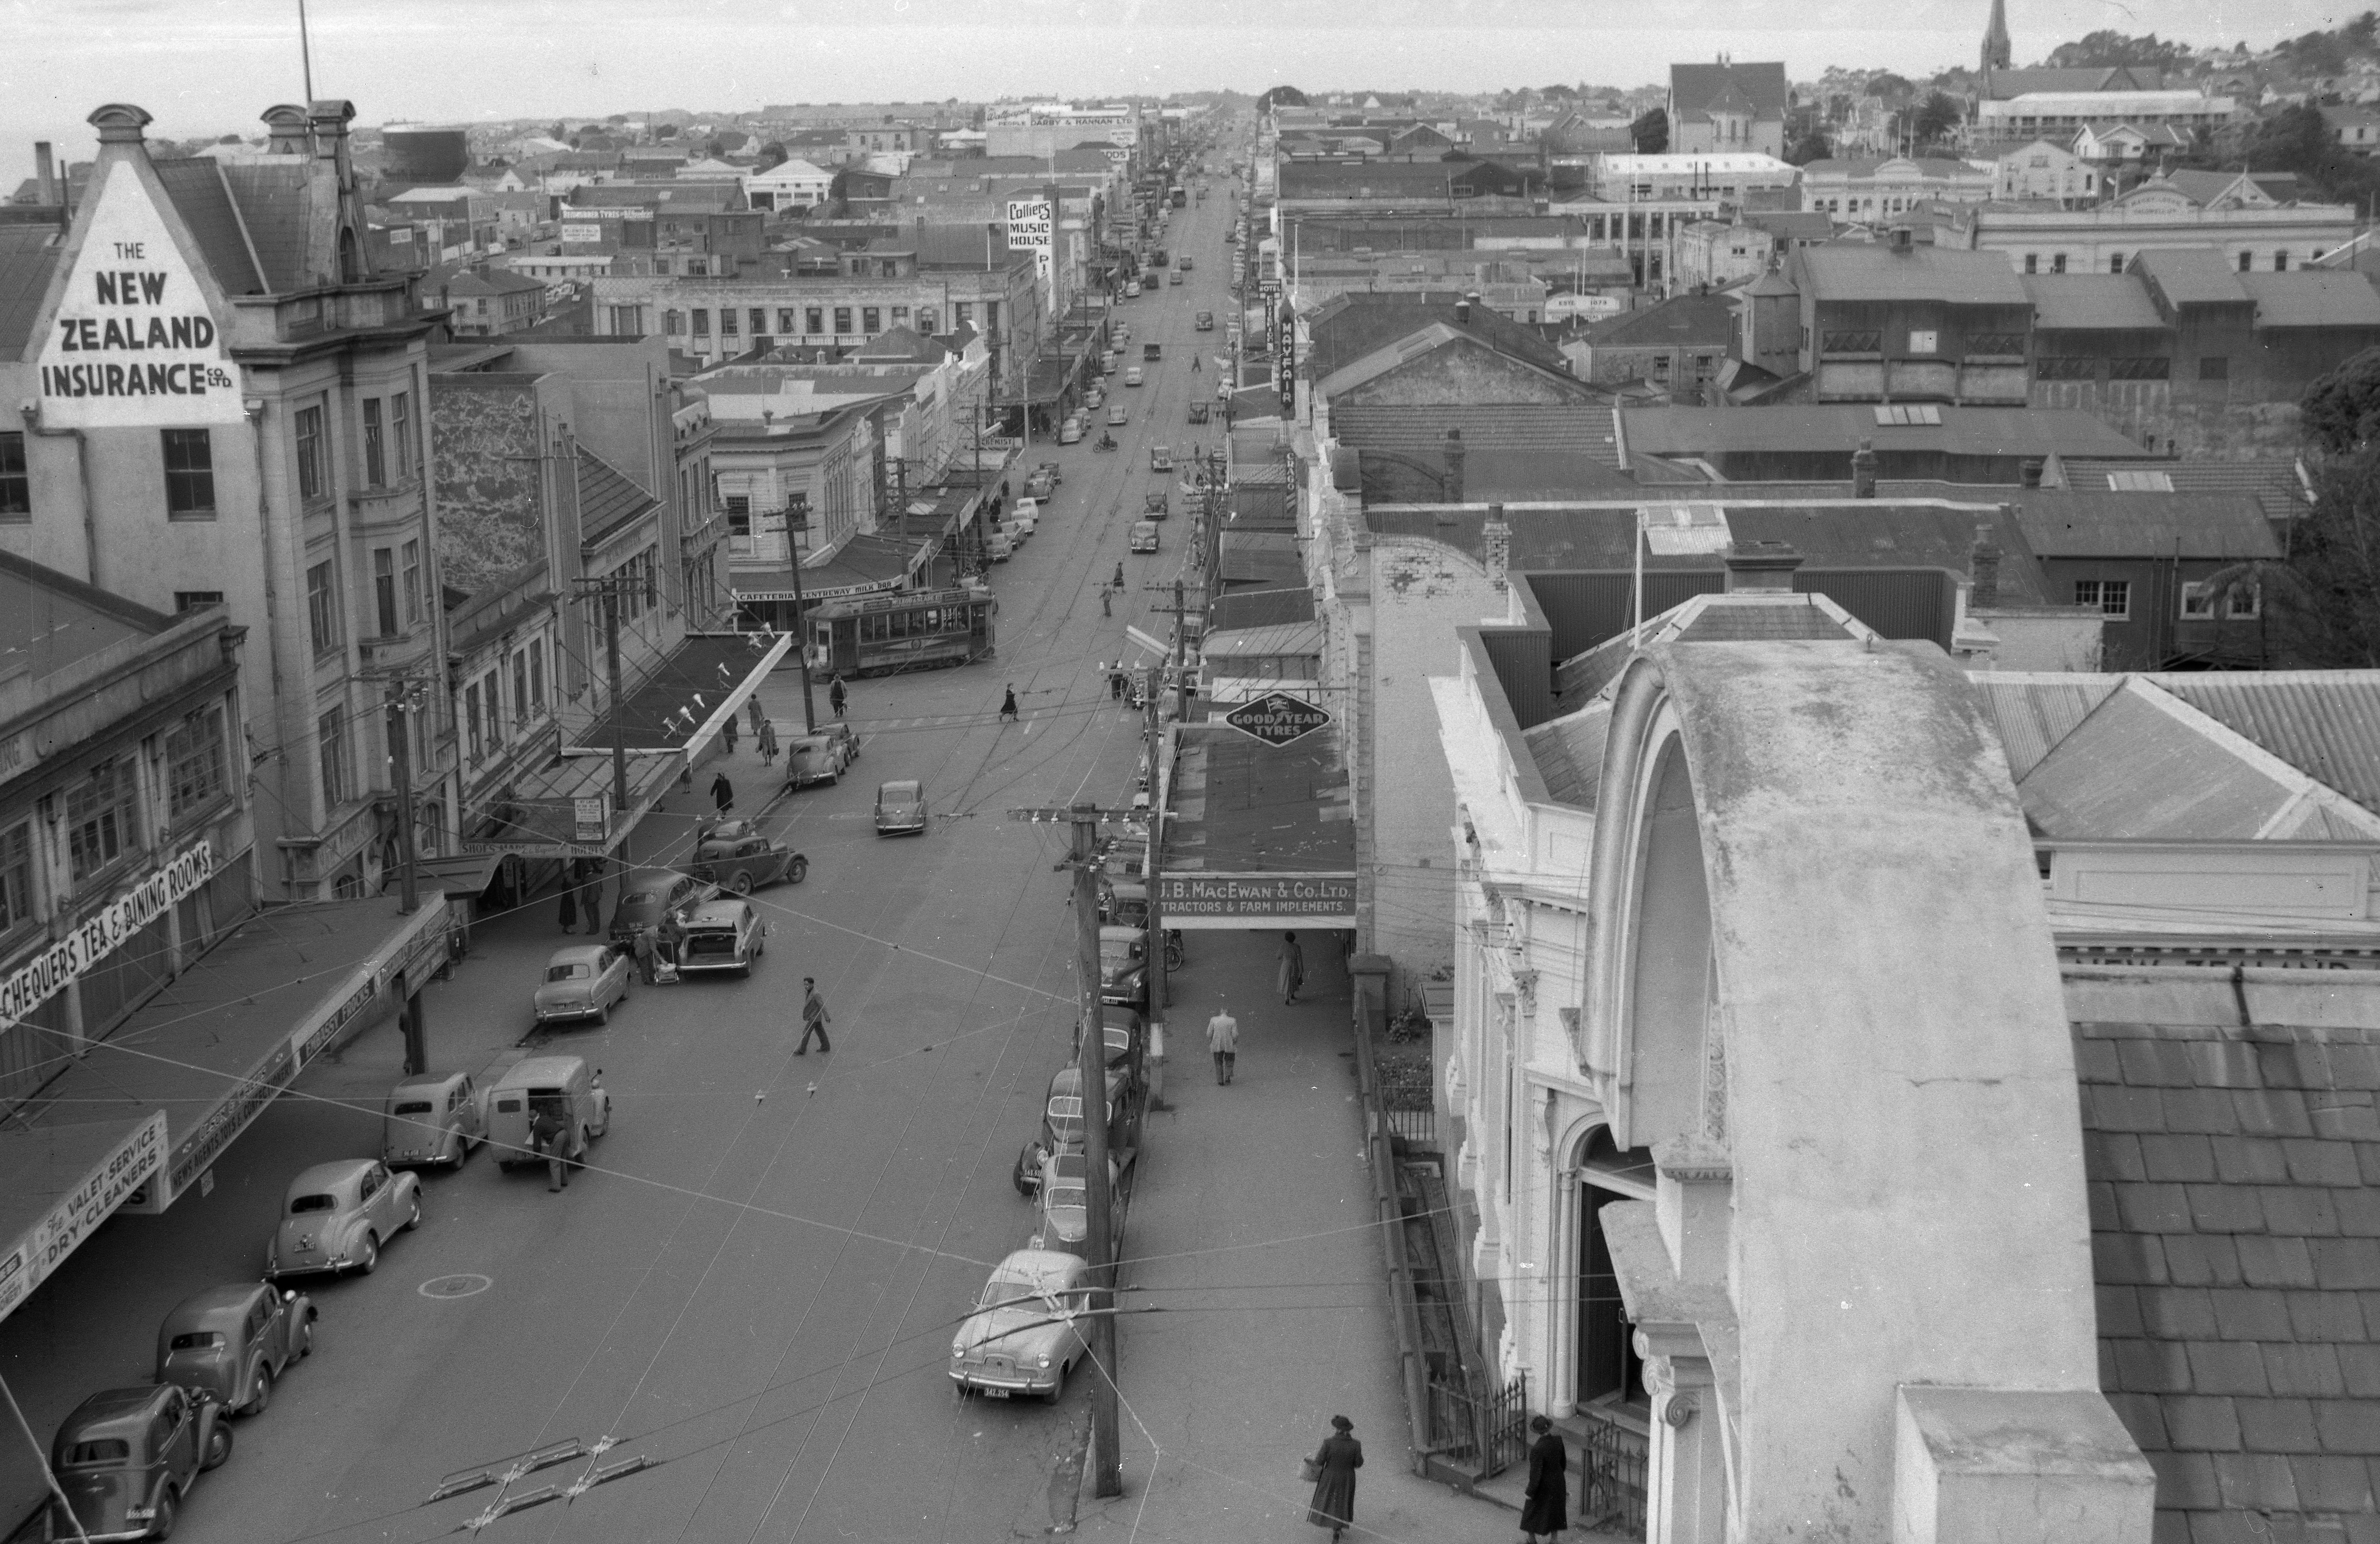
(134, 342)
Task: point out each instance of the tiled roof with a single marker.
(1569, 753)
(2077, 524)
(607, 499)
(2275, 484)
(2312, 298)
(1875, 270)
(203, 201)
(1681, 321)
(2193, 276)
(1350, 325)
(2234, 1182)
(1584, 428)
(1694, 87)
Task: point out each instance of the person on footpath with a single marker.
(569, 907)
(1106, 595)
(760, 719)
(590, 898)
(723, 793)
(1334, 1464)
(1119, 579)
(834, 694)
(814, 1019)
(767, 736)
(1545, 1509)
(1115, 685)
(1008, 704)
(1292, 960)
(727, 734)
(1223, 1039)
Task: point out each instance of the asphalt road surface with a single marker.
(755, 1284)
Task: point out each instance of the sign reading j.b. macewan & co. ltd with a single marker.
(1194, 900)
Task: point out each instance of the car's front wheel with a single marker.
(169, 1511)
(218, 1447)
(799, 871)
(413, 1214)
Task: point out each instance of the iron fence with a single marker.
(1613, 1461)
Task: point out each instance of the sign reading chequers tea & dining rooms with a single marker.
(134, 342)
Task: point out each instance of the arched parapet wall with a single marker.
(1887, 1060)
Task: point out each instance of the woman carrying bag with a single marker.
(1332, 1469)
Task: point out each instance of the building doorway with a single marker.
(1610, 1372)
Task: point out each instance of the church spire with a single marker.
(1996, 39)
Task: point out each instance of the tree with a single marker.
(1650, 133)
(2110, 47)
(1810, 146)
(666, 131)
(1937, 116)
(1889, 86)
(2318, 608)
(2340, 413)
(1281, 96)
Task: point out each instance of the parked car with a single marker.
(1117, 416)
(1070, 431)
(1065, 1203)
(582, 981)
(1039, 483)
(722, 935)
(1120, 1033)
(1160, 458)
(336, 1216)
(125, 1458)
(563, 1084)
(1026, 1332)
(650, 896)
(1124, 966)
(811, 759)
(1175, 278)
(1131, 376)
(742, 862)
(1143, 536)
(1186, 263)
(1205, 322)
(435, 1118)
(1028, 514)
(900, 808)
(998, 547)
(1062, 1110)
(1056, 470)
(232, 1344)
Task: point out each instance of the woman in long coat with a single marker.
(1334, 1494)
(1292, 961)
(1545, 1510)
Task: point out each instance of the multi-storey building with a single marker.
(224, 403)
(2229, 211)
(1859, 189)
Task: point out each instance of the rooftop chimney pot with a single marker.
(1761, 568)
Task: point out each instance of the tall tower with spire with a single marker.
(1996, 39)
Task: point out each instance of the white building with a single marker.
(2060, 115)
(1859, 189)
(2230, 214)
(2045, 169)
(788, 185)
(1640, 178)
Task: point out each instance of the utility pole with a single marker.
(404, 697)
(1181, 612)
(1161, 983)
(1091, 1064)
(797, 518)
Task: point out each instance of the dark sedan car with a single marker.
(232, 1344)
(125, 1457)
(900, 808)
(746, 860)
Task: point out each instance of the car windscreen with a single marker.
(641, 898)
(103, 1450)
(1066, 1107)
(413, 1107)
(711, 941)
(1074, 1196)
(195, 1340)
(1120, 953)
(576, 971)
(1006, 1289)
(304, 1204)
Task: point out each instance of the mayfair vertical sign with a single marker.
(134, 342)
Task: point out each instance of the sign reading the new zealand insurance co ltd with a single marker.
(134, 343)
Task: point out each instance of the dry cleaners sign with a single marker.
(104, 931)
(134, 342)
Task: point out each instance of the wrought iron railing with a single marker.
(1613, 1461)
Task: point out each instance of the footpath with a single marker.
(1253, 1234)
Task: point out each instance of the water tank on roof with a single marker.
(423, 155)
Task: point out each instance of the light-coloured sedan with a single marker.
(336, 1216)
(1026, 1332)
(582, 981)
(435, 1118)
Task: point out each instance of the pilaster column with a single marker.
(1686, 1475)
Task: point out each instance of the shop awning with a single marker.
(862, 565)
(458, 874)
(682, 701)
(1256, 836)
(558, 811)
(136, 1118)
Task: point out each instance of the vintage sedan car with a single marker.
(1132, 377)
(1124, 966)
(1176, 277)
(725, 934)
(900, 808)
(1143, 536)
(582, 981)
(1156, 504)
(1117, 415)
(565, 1085)
(1119, 1032)
(336, 1216)
(651, 896)
(232, 1344)
(433, 1119)
(1040, 483)
(125, 1458)
(1160, 458)
(1026, 1332)
(742, 863)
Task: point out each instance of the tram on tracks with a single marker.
(885, 634)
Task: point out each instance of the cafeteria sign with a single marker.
(134, 341)
(1277, 719)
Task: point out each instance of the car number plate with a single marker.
(996, 1393)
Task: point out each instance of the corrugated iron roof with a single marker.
(2034, 712)
(25, 269)
(2313, 297)
(2276, 484)
(204, 201)
(2325, 723)
(1569, 753)
(2136, 768)
(1419, 429)
(2090, 303)
(607, 498)
(1825, 426)
(2075, 524)
(1876, 271)
(276, 204)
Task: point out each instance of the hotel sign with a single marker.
(103, 932)
(134, 342)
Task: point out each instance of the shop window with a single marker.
(190, 474)
(339, 768)
(2110, 597)
(101, 810)
(15, 481)
(194, 763)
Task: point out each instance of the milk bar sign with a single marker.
(134, 341)
(1276, 718)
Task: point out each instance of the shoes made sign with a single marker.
(1276, 718)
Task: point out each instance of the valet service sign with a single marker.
(134, 342)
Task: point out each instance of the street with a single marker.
(753, 1285)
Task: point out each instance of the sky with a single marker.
(212, 66)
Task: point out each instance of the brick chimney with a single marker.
(1455, 453)
(1983, 565)
(2029, 471)
(286, 123)
(1863, 470)
(1497, 538)
(1761, 568)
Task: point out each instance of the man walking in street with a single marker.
(1008, 704)
(814, 1019)
(727, 734)
(1223, 1039)
(767, 736)
(723, 793)
(835, 695)
(1106, 596)
(759, 718)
